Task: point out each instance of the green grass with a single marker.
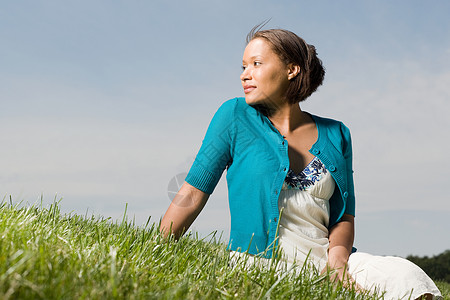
(444, 287)
(47, 255)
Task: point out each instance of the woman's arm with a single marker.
(183, 210)
(211, 160)
(341, 242)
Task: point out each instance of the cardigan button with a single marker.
(274, 219)
(315, 151)
(345, 194)
(332, 168)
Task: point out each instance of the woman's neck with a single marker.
(287, 118)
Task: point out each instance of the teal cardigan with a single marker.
(243, 140)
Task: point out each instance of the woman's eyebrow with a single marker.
(253, 57)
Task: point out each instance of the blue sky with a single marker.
(104, 102)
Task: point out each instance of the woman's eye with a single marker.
(257, 63)
(243, 68)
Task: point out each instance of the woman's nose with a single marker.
(245, 75)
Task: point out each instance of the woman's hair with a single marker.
(292, 49)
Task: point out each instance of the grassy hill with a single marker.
(47, 255)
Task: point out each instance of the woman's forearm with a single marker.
(341, 241)
(183, 210)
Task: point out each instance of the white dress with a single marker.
(303, 233)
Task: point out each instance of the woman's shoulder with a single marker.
(326, 121)
(329, 124)
(237, 103)
(335, 130)
(232, 111)
(236, 107)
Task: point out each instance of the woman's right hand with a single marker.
(341, 273)
(184, 209)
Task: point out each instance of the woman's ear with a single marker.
(293, 71)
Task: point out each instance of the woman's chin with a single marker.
(252, 101)
(257, 100)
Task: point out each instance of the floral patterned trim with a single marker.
(312, 173)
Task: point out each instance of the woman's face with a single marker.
(265, 78)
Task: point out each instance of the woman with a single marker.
(289, 173)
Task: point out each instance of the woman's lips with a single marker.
(249, 88)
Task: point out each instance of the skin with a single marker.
(341, 238)
(183, 210)
(265, 79)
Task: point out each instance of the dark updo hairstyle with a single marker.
(292, 49)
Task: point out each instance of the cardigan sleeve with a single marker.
(348, 156)
(214, 154)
